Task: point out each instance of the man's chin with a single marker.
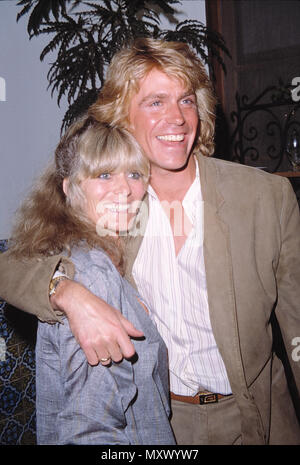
(178, 163)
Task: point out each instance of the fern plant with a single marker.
(86, 35)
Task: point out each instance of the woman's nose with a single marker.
(122, 186)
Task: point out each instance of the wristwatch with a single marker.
(54, 283)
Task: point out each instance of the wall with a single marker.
(29, 118)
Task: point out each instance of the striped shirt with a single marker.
(174, 288)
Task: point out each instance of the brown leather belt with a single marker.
(200, 398)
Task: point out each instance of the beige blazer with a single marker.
(252, 262)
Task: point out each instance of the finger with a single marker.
(129, 328)
(105, 360)
(95, 351)
(113, 349)
(125, 345)
(91, 355)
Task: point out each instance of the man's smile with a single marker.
(172, 137)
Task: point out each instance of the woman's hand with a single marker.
(101, 330)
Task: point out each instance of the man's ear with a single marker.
(66, 186)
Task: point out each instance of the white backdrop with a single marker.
(30, 119)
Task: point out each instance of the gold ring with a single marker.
(105, 359)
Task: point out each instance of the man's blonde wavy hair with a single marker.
(134, 62)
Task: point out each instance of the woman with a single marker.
(84, 202)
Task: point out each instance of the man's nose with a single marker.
(122, 186)
(175, 115)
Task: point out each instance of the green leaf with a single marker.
(85, 36)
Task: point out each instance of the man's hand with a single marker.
(101, 330)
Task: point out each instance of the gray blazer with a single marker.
(125, 403)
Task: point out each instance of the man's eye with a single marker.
(134, 175)
(188, 101)
(104, 176)
(156, 103)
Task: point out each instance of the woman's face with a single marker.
(112, 199)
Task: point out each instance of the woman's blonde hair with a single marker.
(134, 62)
(48, 221)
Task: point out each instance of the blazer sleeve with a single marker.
(25, 284)
(94, 400)
(288, 277)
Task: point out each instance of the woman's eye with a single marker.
(156, 103)
(134, 175)
(104, 176)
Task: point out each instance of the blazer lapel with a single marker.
(218, 268)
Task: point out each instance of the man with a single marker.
(219, 254)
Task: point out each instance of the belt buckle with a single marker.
(208, 398)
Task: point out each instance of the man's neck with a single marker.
(173, 185)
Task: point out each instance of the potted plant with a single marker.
(86, 35)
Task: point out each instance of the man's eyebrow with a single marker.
(188, 92)
(163, 95)
(153, 97)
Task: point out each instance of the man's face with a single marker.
(163, 118)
